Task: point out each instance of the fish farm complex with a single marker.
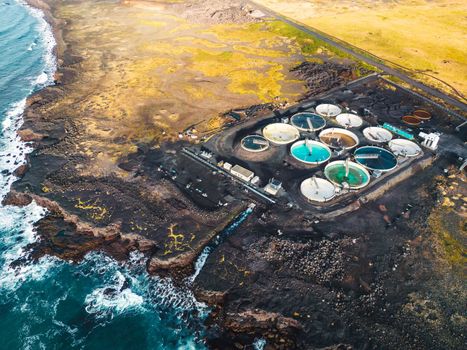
(326, 155)
(233, 175)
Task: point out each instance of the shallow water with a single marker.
(385, 160)
(355, 177)
(317, 154)
(53, 304)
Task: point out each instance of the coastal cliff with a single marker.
(134, 76)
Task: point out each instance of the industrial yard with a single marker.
(330, 154)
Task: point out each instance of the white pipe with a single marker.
(316, 182)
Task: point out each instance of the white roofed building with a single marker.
(242, 173)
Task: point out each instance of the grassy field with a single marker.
(147, 73)
(429, 36)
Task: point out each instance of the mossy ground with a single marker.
(448, 219)
(418, 34)
(148, 74)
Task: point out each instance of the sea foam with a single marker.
(18, 223)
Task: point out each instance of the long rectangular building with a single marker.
(242, 173)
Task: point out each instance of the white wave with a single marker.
(31, 46)
(130, 287)
(259, 344)
(112, 297)
(49, 42)
(42, 78)
(33, 342)
(203, 257)
(126, 287)
(18, 227)
(19, 222)
(12, 150)
(199, 264)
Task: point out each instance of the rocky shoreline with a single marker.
(63, 233)
(337, 284)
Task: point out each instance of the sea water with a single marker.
(54, 304)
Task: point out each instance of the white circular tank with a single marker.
(316, 189)
(349, 120)
(280, 133)
(404, 148)
(328, 110)
(376, 134)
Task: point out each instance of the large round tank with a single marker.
(349, 120)
(306, 121)
(376, 134)
(404, 148)
(422, 114)
(280, 133)
(339, 138)
(411, 120)
(316, 189)
(375, 158)
(347, 174)
(328, 110)
(254, 143)
(310, 152)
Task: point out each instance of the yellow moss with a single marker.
(215, 122)
(132, 69)
(436, 39)
(455, 251)
(197, 93)
(176, 241)
(262, 52)
(242, 71)
(447, 202)
(155, 24)
(194, 41)
(95, 212)
(257, 35)
(45, 189)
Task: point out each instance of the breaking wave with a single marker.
(51, 303)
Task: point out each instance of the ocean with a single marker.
(54, 304)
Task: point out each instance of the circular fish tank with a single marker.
(306, 121)
(422, 114)
(254, 143)
(316, 189)
(281, 133)
(328, 110)
(347, 174)
(310, 152)
(339, 138)
(349, 120)
(375, 158)
(411, 120)
(404, 148)
(377, 135)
